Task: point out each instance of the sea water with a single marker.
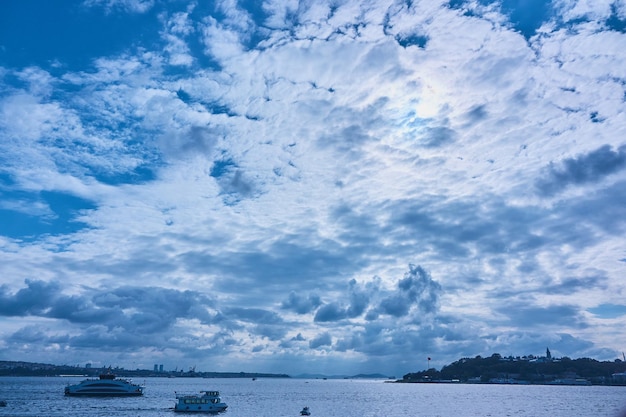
(269, 397)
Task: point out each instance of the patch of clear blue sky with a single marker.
(222, 167)
(609, 311)
(34, 32)
(526, 16)
(140, 174)
(30, 226)
(614, 22)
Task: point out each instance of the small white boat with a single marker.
(206, 402)
(105, 386)
(305, 412)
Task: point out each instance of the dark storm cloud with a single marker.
(275, 266)
(383, 340)
(127, 318)
(524, 314)
(293, 341)
(532, 342)
(419, 286)
(551, 285)
(605, 209)
(323, 339)
(271, 332)
(583, 169)
(46, 300)
(352, 341)
(32, 334)
(301, 305)
(359, 298)
(80, 310)
(358, 301)
(298, 338)
(32, 300)
(360, 228)
(137, 309)
(146, 257)
(494, 228)
(418, 289)
(448, 228)
(117, 338)
(330, 312)
(395, 305)
(165, 303)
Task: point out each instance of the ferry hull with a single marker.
(103, 394)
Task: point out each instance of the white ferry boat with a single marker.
(105, 386)
(206, 402)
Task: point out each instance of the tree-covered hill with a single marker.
(525, 369)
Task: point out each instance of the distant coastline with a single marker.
(495, 369)
(20, 368)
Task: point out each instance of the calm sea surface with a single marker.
(30, 396)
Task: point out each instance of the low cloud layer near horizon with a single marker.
(323, 187)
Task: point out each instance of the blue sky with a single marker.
(327, 187)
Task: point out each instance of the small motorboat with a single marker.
(305, 412)
(206, 402)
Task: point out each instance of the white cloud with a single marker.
(176, 29)
(326, 148)
(592, 10)
(132, 6)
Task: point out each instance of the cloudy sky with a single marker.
(333, 187)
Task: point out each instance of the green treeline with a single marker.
(526, 369)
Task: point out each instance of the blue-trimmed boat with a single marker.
(206, 402)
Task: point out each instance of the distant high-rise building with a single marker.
(548, 354)
(161, 368)
(156, 368)
(88, 366)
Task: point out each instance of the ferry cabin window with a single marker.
(195, 401)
